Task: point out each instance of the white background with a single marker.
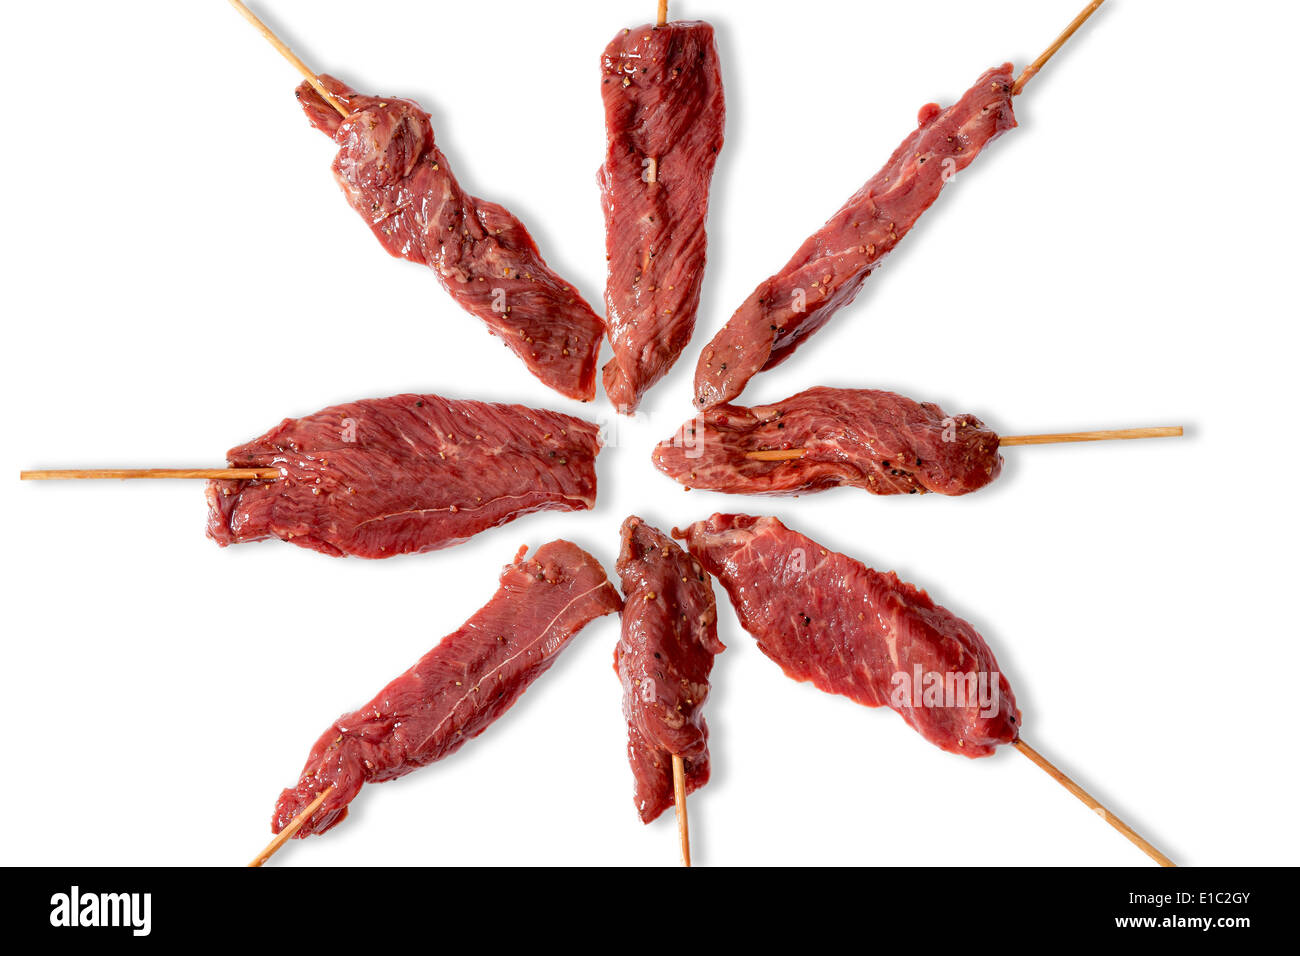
(180, 272)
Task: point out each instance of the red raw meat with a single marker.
(664, 115)
(401, 184)
(878, 441)
(460, 687)
(829, 619)
(830, 267)
(663, 658)
(405, 474)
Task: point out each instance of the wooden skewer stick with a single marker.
(289, 55)
(1087, 798)
(245, 474)
(234, 474)
(1115, 434)
(679, 795)
(1059, 42)
(294, 826)
(1174, 431)
(776, 454)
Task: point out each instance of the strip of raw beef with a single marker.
(401, 184)
(405, 474)
(460, 687)
(878, 441)
(664, 115)
(830, 267)
(665, 654)
(829, 619)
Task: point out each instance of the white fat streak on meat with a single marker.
(546, 643)
(496, 642)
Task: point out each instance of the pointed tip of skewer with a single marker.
(211, 474)
(288, 54)
(1111, 434)
(1032, 69)
(281, 838)
(1092, 803)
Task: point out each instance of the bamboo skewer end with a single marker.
(292, 57)
(294, 826)
(230, 474)
(1114, 434)
(679, 796)
(1032, 69)
(1055, 438)
(1092, 803)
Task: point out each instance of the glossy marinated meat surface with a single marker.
(396, 178)
(878, 441)
(664, 118)
(664, 656)
(829, 619)
(405, 474)
(460, 687)
(828, 270)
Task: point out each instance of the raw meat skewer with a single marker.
(665, 114)
(667, 642)
(878, 441)
(394, 176)
(455, 691)
(828, 619)
(828, 270)
(399, 475)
